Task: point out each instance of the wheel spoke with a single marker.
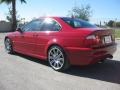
(52, 61)
(51, 57)
(57, 65)
(57, 52)
(54, 64)
(58, 56)
(54, 51)
(60, 63)
(60, 59)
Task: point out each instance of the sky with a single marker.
(101, 9)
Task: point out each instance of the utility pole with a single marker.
(115, 22)
(100, 24)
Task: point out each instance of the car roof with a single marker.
(54, 17)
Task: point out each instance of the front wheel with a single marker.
(8, 46)
(57, 58)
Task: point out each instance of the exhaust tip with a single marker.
(110, 56)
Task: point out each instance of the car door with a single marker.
(26, 40)
(49, 28)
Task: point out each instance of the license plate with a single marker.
(107, 39)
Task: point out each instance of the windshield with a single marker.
(78, 23)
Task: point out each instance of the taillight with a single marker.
(92, 40)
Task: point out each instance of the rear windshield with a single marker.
(78, 23)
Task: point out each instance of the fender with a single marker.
(54, 42)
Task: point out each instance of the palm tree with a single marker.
(13, 2)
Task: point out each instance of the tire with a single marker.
(8, 46)
(57, 59)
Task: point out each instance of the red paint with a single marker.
(79, 50)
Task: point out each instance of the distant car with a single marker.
(63, 41)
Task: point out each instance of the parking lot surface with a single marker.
(20, 72)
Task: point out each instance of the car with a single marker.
(62, 41)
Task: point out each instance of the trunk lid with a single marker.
(106, 37)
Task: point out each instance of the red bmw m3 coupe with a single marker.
(63, 41)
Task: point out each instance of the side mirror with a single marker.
(19, 30)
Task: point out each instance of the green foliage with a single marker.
(9, 16)
(110, 23)
(117, 24)
(117, 33)
(10, 1)
(83, 12)
(6, 1)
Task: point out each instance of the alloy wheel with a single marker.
(56, 58)
(8, 45)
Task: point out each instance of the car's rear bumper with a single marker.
(86, 56)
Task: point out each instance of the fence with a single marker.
(5, 26)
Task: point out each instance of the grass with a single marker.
(117, 33)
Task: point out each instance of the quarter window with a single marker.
(50, 25)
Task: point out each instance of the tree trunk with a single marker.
(14, 23)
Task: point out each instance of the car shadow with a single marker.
(108, 71)
(36, 60)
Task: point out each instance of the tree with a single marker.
(117, 24)
(9, 16)
(111, 23)
(13, 3)
(83, 12)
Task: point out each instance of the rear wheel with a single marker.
(8, 46)
(57, 58)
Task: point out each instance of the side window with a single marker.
(50, 25)
(33, 26)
